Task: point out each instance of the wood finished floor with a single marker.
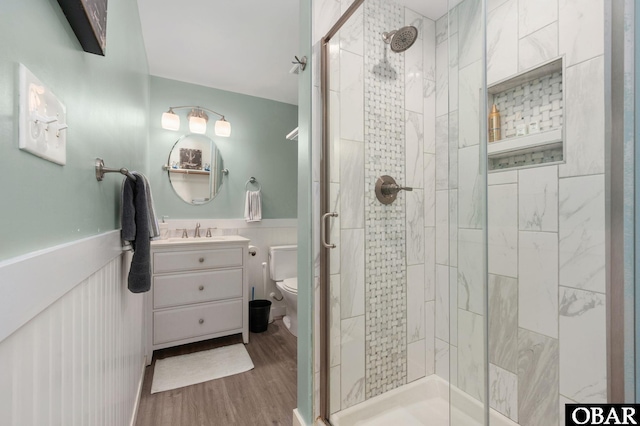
(265, 395)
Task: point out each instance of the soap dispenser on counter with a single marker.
(164, 228)
(494, 124)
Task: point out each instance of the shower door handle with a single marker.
(323, 229)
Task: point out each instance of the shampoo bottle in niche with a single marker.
(494, 124)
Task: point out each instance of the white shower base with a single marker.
(423, 402)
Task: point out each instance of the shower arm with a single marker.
(386, 36)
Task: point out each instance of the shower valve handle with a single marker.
(387, 189)
(393, 188)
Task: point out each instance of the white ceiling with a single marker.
(243, 46)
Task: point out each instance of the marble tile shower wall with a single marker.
(547, 224)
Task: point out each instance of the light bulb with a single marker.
(197, 125)
(170, 121)
(223, 128)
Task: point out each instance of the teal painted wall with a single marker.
(636, 260)
(305, 225)
(257, 147)
(107, 99)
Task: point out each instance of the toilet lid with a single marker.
(291, 284)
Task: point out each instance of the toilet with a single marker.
(283, 269)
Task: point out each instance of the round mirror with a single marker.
(195, 169)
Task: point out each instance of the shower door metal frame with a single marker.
(324, 209)
(619, 208)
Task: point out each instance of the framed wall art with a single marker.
(190, 159)
(88, 19)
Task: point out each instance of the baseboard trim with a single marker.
(134, 415)
(297, 418)
(277, 312)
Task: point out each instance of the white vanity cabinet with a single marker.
(199, 291)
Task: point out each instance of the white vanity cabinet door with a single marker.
(198, 320)
(196, 287)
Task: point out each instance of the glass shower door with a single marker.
(343, 192)
(377, 332)
(403, 309)
(406, 279)
(460, 198)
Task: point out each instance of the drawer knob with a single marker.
(201, 259)
(201, 321)
(201, 288)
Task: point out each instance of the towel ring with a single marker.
(253, 181)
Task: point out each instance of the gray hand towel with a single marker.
(136, 229)
(154, 228)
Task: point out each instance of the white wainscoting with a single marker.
(75, 356)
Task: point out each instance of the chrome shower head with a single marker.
(402, 39)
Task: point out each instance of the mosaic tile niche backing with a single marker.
(385, 265)
(539, 100)
(527, 159)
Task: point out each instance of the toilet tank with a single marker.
(283, 262)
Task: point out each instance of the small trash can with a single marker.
(259, 315)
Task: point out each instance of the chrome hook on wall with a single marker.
(302, 62)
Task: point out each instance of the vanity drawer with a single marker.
(196, 287)
(196, 259)
(185, 323)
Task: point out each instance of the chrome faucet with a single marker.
(196, 234)
(209, 232)
(184, 232)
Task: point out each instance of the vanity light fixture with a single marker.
(197, 121)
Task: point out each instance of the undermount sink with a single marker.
(200, 240)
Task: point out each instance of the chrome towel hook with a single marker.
(300, 61)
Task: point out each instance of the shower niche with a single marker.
(531, 106)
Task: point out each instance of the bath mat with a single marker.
(184, 370)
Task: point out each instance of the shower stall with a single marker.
(468, 288)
